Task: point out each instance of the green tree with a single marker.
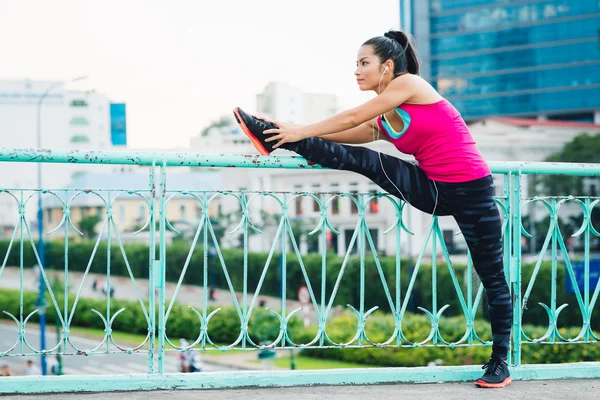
(87, 225)
(301, 227)
(220, 123)
(220, 223)
(584, 148)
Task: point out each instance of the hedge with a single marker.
(349, 289)
(379, 328)
(224, 327)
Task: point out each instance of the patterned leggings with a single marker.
(470, 203)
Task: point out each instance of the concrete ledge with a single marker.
(247, 379)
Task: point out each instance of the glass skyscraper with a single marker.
(511, 57)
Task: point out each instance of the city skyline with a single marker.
(178, 67)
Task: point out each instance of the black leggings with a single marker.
(470, 203)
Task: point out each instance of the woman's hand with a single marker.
(282, 133)
(286, 133)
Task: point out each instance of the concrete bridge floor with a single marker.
(579, 389)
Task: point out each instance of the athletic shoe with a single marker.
(496, 374)
(253, 128)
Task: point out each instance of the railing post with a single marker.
(361, 252)
(151, 272)
(515, 266)
(506, 238)
(161, 264)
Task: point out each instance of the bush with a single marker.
(379, 328)
(224, 328)
(348, 292)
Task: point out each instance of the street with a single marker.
(95, 364)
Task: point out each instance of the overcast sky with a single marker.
(179, 64)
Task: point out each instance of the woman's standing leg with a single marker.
(473, 207)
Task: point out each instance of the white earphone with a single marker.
(376, 139)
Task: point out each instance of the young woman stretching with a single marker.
(451, 178)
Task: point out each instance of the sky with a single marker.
(180, 64)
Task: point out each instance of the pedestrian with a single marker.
(5, 371)
(451, 178)
(106, 290)
(32, 369)
(212, 293)
(184, 360)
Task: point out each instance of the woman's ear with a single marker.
(389, 67)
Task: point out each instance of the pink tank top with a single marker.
(439, 139)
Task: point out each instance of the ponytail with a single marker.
(396, 46)
(412, 61)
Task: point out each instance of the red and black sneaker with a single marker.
(253, 128)
(496, 374)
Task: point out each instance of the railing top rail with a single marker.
(191, 159)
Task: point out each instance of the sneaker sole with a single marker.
(483, 384)
(257, 144)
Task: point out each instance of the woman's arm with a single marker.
(364, 133)
(397, 92)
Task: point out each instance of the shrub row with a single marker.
(224, 327)
(349, 291)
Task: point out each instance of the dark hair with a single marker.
(396, 46)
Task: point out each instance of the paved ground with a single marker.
(96, 364)
(566, 389)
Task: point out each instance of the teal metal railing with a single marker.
(157, 307)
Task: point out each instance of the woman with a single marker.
(451, 178)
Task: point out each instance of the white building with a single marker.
(130, 197)
(282, 102)
(222, 136)
(68, 120)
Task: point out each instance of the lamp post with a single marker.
(40, 217)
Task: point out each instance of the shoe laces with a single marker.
(262, 123)
(493, 367)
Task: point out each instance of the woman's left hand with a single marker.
(284, 134)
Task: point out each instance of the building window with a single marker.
(348, 233)
(182, 212)
(335, 203)
(99, 212)
(354, 192)
(375, 237)
(315, 189)
(79, 121)
(80, 139)
(448, 236)
(298, 200)
(78, 103)
(84, 212)
(49, 215)
(374, 203)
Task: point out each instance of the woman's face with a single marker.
(368, 69)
